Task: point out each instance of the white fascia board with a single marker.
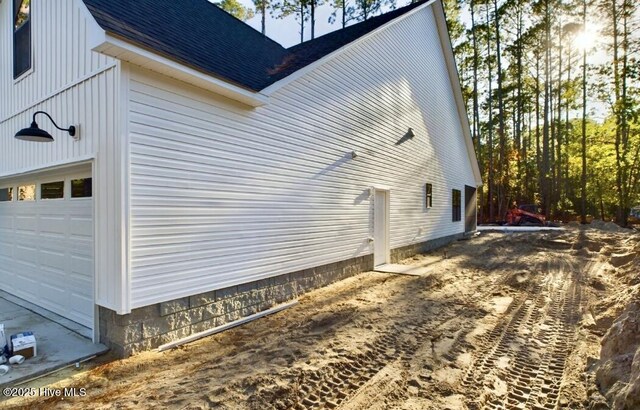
(447, 49)
(122, 50)
(307, 69)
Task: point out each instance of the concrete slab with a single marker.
(412, 270)
(57, 345)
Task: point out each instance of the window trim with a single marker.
(36, 193)
(29, 71)
(428, 195)
(79, 198)
(13, 190)
(456, 205)
(64, 190)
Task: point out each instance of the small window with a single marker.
(52, 190)
(81, 188)
(27, 193)
(6, 194)
(429, 195)
(456, 200)
(21, 37)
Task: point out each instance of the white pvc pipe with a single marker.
(17, 359)
(226, 326)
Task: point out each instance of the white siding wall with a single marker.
(76, 86)
(222, 194)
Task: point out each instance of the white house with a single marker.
(212, 172)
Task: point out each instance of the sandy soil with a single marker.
(504, 321)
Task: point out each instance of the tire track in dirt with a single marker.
(522, 360)
(340, 383)
(335, 383)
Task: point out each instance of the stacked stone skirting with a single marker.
(151, 326)
(405, 252)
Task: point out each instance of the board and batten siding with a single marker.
(222, 194)
(76, 86)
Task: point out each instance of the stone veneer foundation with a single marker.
(154, 325)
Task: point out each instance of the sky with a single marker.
(287, 31)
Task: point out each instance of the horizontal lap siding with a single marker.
(222, 194)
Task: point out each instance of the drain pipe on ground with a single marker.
(227, 326)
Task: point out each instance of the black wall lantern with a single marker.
(35, 133)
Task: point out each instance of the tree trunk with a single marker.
(583, 179)
(492, 214)
(263, 11)
(559, 126)
(502, 161)
(476, 110)
(313, 18)
(344, 13)
(538, 150)
(546, 197)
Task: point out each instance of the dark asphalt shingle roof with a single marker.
(202, 36)
(310, 51)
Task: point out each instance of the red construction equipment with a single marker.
(525, 215)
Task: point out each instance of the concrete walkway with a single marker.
(57, 346)
(507, 228)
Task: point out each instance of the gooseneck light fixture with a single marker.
(35, 133)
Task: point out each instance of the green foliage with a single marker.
(236, 9)
(541, 92)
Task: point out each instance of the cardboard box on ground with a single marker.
(24, 344)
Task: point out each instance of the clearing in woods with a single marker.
(506, 321)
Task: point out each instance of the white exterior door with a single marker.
(381, 254)
(46, 242)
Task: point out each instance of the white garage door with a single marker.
(46, 242)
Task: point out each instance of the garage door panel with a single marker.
(6, 250)
(26, 281)
(6, 222)
(53, 227)
(81, 228)
(80, 266)
(26, 224)
(46, 254)
(52, 274)
(24, 253)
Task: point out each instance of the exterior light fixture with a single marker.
(406, 137)
(410, 134)
(35, 133)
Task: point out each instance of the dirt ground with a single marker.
(504, 321)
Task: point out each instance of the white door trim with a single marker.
(381, 205)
